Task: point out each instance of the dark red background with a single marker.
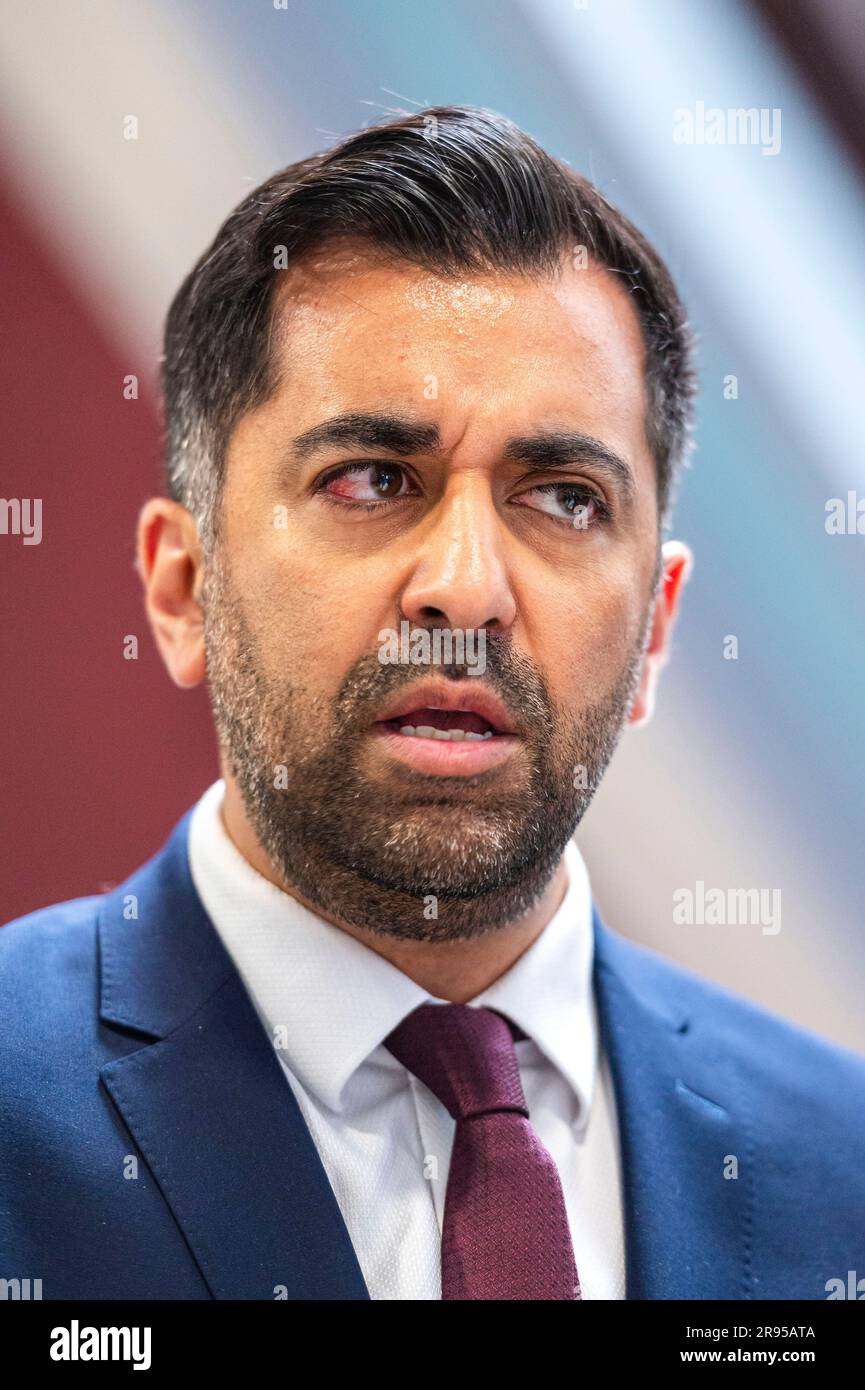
(99, 755)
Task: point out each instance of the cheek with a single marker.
(311, 620)
(587, 643)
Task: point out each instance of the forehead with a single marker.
(484, 353)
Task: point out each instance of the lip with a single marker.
(447, 695)
(439, 758)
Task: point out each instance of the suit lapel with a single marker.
(207, 1102)
(218, 1125)
(682, 1126)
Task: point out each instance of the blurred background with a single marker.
(751, 774)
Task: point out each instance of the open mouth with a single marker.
(446, 725)
(442, 729)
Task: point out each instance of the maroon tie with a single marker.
(506, 1229)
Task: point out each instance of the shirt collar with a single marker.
(328, 1001)
(548, 990)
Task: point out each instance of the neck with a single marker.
(455, 969)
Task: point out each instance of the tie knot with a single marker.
(465, 1055)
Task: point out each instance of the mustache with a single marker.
(514, 678)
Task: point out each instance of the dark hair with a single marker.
(453, 189)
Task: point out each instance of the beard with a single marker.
(403, 854)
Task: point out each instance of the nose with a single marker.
(460, 579)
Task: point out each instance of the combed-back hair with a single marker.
(454, 190)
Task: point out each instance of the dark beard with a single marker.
(437, 859)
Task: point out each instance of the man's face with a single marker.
(485, 519)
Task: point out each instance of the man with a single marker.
(357, 1030)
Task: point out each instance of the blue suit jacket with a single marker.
(129, 1043)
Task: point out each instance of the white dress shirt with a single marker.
(327, 1001)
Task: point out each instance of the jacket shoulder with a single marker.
(775, 1050)
(38, 930)
(46, 954)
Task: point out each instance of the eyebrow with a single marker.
(548, 449)
(368, 431)
(563, 448)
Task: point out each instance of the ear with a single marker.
(676, 564)
(170, 565)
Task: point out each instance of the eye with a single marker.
(367, 483)
(570, 503)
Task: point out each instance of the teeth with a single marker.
(449, 735)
